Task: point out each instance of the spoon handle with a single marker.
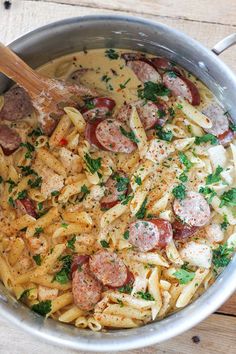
(16, 69)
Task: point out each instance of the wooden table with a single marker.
(208, 21)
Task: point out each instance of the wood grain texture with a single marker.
(26, 15)
(208, 21)
(216, 334)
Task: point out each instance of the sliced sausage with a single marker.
(134, 56)
(181, 86)
(9, 139)
(109, 135)
(182, 231)
(90, 133)
(162, 65)
(226, 138)
(144, 71)
(150, 113)
(108, 268)
(102, 108)
(48, 124)
(17, 104)
(147, 235)
(78, 260)
(193, 210)
(113, 191)
(220, 122)
(26, 206)
(86, 289)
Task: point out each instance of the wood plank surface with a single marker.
(208, 21)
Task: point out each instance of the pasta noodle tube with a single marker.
(81, 322)
(139, 132)
(71, 314)
(60, 302)
(43, 221)
(76, 118)
(78, 217)
(112, 214)
(93, 324)
(131, 301)
(193, 114)
(51, 161)
(108, 320)
(71, 229)
(154, 290)
(173, 254)
(16, 250)
(50, 260)
(127, 311)
(60, 132)
(149, 258)
(47, 280)
(72, 189)
(190, 289)
(5, 274)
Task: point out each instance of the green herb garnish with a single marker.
(36, 133)
(126, 235)
(183, 177)
(104, 244)
(93, 164)
(126, 289)
(208, 193)
(224, 224)
(214, 177)
(222, 256)
(42, 308)
(228, 198)
(185, 161)
(130, 135)
(123, 86)
(30, 148)
(205, 139)
(179, 191)
(142, 211)
(37, 259)
(55, 193)
(22, 195)
(71, 243)
(38, 231)
(12, 184)
(167, 136)
(63, 276)
(152, 90)
(145, 295)
(111, 54)
(138, 180)
(184, 276)
(36, 183)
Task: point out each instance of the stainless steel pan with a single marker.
(75, 34)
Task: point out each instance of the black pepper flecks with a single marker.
(7, 5)
(196, 339)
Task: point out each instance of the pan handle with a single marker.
(224, 44)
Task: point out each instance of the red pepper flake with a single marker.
(63, 142)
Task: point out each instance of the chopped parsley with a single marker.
(138, 180)
(105, 78)
(130, 135)
(228, 198)
(122, 182)
(71, 243)
(123, 86)
(89, 104)
(145, 295)
(184, 276)
(35, 133)
(167, 136)
(38, 231)
(104, 244)
(126, 289)
(125, 199)
(179, 191)
(42, 308)
(55, 193)
(93, 164)
(27, 170)
(22, 195)
(25, 294)
(171, 74)
(63, 276)
(171, 112)
(120, 303)
(37, 259)
(232, 126)
(36, 183)
(111, 54)
(208, 193)
(205, 139)
(214, 177)
(11, 183)
(11, 201)
(84, 189)
(30, 148)
(183, 177)
(126, 235)
(185, 161)
(40, 206)
(224, 224)
(64, 225)
(222, 256)
(142, 211)
(152, 90)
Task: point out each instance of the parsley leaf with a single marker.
(55, 193)
(63, 276)
(183, 177)
(36, 133)
(167, 136)
(11, 183)
(93, 164)
(27, 170)
(126, 289)
(122, 182)
(30, 148)
(142, 211)
(184, 276)
(205, 139)
(22, 195)
(228, 198)
(38, 231)
(71, 243)
(125, 199)
(36, 183)
(42, 308)
(84, 189)
(138, 180)
(111, 54)
(24, 294)
(185, 161)
(123, 86)
(37, 259)
(130, 135)
(126, 235)
(222, 256)
(232, 126)
(152, 90)
(224, 224)
(214, 177)
(179, 191)
(104, 244)
(145, 295)
(208, 193)
(64, 225)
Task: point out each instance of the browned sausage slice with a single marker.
(102, 108)
(9, 139)
(109, 135)
(86, 289)
(181, 86)
(193, 210)
(150, 113)
(17, 104)
(147, 235)
(108, 268)
(144, 71)
(90, 133)
(220, 122)
(183, 231)
(114, 190)
(26, 206)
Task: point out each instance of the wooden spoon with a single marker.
(45, 93)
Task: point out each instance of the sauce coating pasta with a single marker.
(126, 212)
